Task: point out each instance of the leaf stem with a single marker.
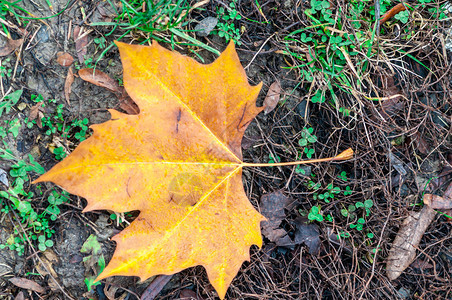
(345, 155)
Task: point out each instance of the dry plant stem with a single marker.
(345, 155)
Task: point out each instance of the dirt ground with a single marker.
(402, 150)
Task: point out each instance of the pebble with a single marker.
(301, 109)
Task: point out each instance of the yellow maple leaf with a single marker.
(178, 162)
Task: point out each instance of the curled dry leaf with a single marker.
(111, 290)
(45, 267)
(420, 143)
(403, 250)
(64, 59)
(81, 43)
(10, 46)
(421, 264)
(392, 102)
(68, 85)
(20, 296)
(272, 98)
(102, 79)
(438, 202)
(99, 78)
(178, 162)
(37, 113)
(308, 234)
(27, 284)
(272, 207)
(155, 287)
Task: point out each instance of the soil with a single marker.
(393, 173)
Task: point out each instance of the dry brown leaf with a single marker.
(448, 192)
(110, 291)
(308, 234)
(27, 284)
(68, 85)
(102, 79)
(156, 287)
(403, 250)
(64, 59)
(20, 296)
(81, 43)
(128, 105)
(45, 267)
(393, 102)
(421, 264)
(420, 143)
(438, 202)
(99, 78)
(10, 46)
(272, 98)
(272, 207)
(37, 112)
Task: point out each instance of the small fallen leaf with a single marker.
(448, 192)
(392, 103)
(307, 233)
(45, 266)
(102, 79)
(37, 113)
(421, 264)
(20, 296)
(127, 104)
(68, 85)
(27, 284)
(10, 46)
(81, 43)
(272, 98)
(438, 202)
(403, 250)
(155, 287)
(438, 181)
(272, 207)
(420, 143)
(64, 59)
(110, 291)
